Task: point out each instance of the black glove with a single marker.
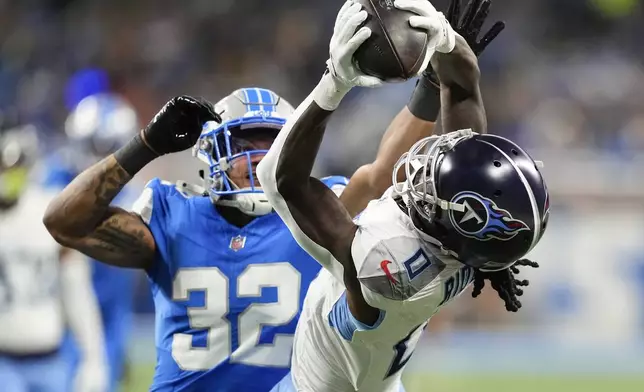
(469, 27)
(504, 283)
(178, 124)
(425, 100)
(175, 128)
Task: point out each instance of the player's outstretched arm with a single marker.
(462, 104)
(313, 213)
(81, 216)
(417, 120)
(456, 66)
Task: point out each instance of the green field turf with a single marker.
(495, 383)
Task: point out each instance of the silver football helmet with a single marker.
(222, 143)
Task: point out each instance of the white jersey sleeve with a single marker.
(397, 270)
(400, 273)
(266, 173)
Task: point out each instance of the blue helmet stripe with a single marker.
(267, 98)
(260, 99)
(246, 99)
(253, 99)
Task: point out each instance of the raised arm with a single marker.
(81, 216)
(417, 120)
(462, 104)
(313, 213)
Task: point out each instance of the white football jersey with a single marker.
(406, 277)
(31, 314)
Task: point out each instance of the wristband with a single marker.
(425, 102)
(134, 155)
(329, 92)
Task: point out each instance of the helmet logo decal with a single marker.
(470, 214)
(482, 219)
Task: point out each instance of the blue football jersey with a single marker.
(227, 299)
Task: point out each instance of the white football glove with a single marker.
(345, 42)
(91, 376)
(442, 38)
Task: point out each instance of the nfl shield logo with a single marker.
(237, 243)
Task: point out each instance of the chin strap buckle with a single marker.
(190, 190)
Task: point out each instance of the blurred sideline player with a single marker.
(99, 123)
(228, 279)
(469, 207)
(43, 287)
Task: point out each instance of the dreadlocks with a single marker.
(504, 283)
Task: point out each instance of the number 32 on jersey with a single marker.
(212, 316)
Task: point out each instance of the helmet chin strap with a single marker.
(425, 236)
(252, 204)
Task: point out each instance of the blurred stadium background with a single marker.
(565, 80)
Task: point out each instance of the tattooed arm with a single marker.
(81, 218)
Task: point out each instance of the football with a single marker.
(395, 50)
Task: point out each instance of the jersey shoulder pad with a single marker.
(154, 195)
(335, 183)
(396, 269)
(392, 261)
(161, 207)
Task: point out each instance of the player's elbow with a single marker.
(52, 223)
(58, 225)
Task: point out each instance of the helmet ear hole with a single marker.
(498, 193)
(497, 164)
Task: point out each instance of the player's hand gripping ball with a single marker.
(344, 44)
(399, 48)
(178, 124)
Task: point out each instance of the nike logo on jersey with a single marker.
(385, 267)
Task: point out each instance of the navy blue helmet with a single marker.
(480, 198)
